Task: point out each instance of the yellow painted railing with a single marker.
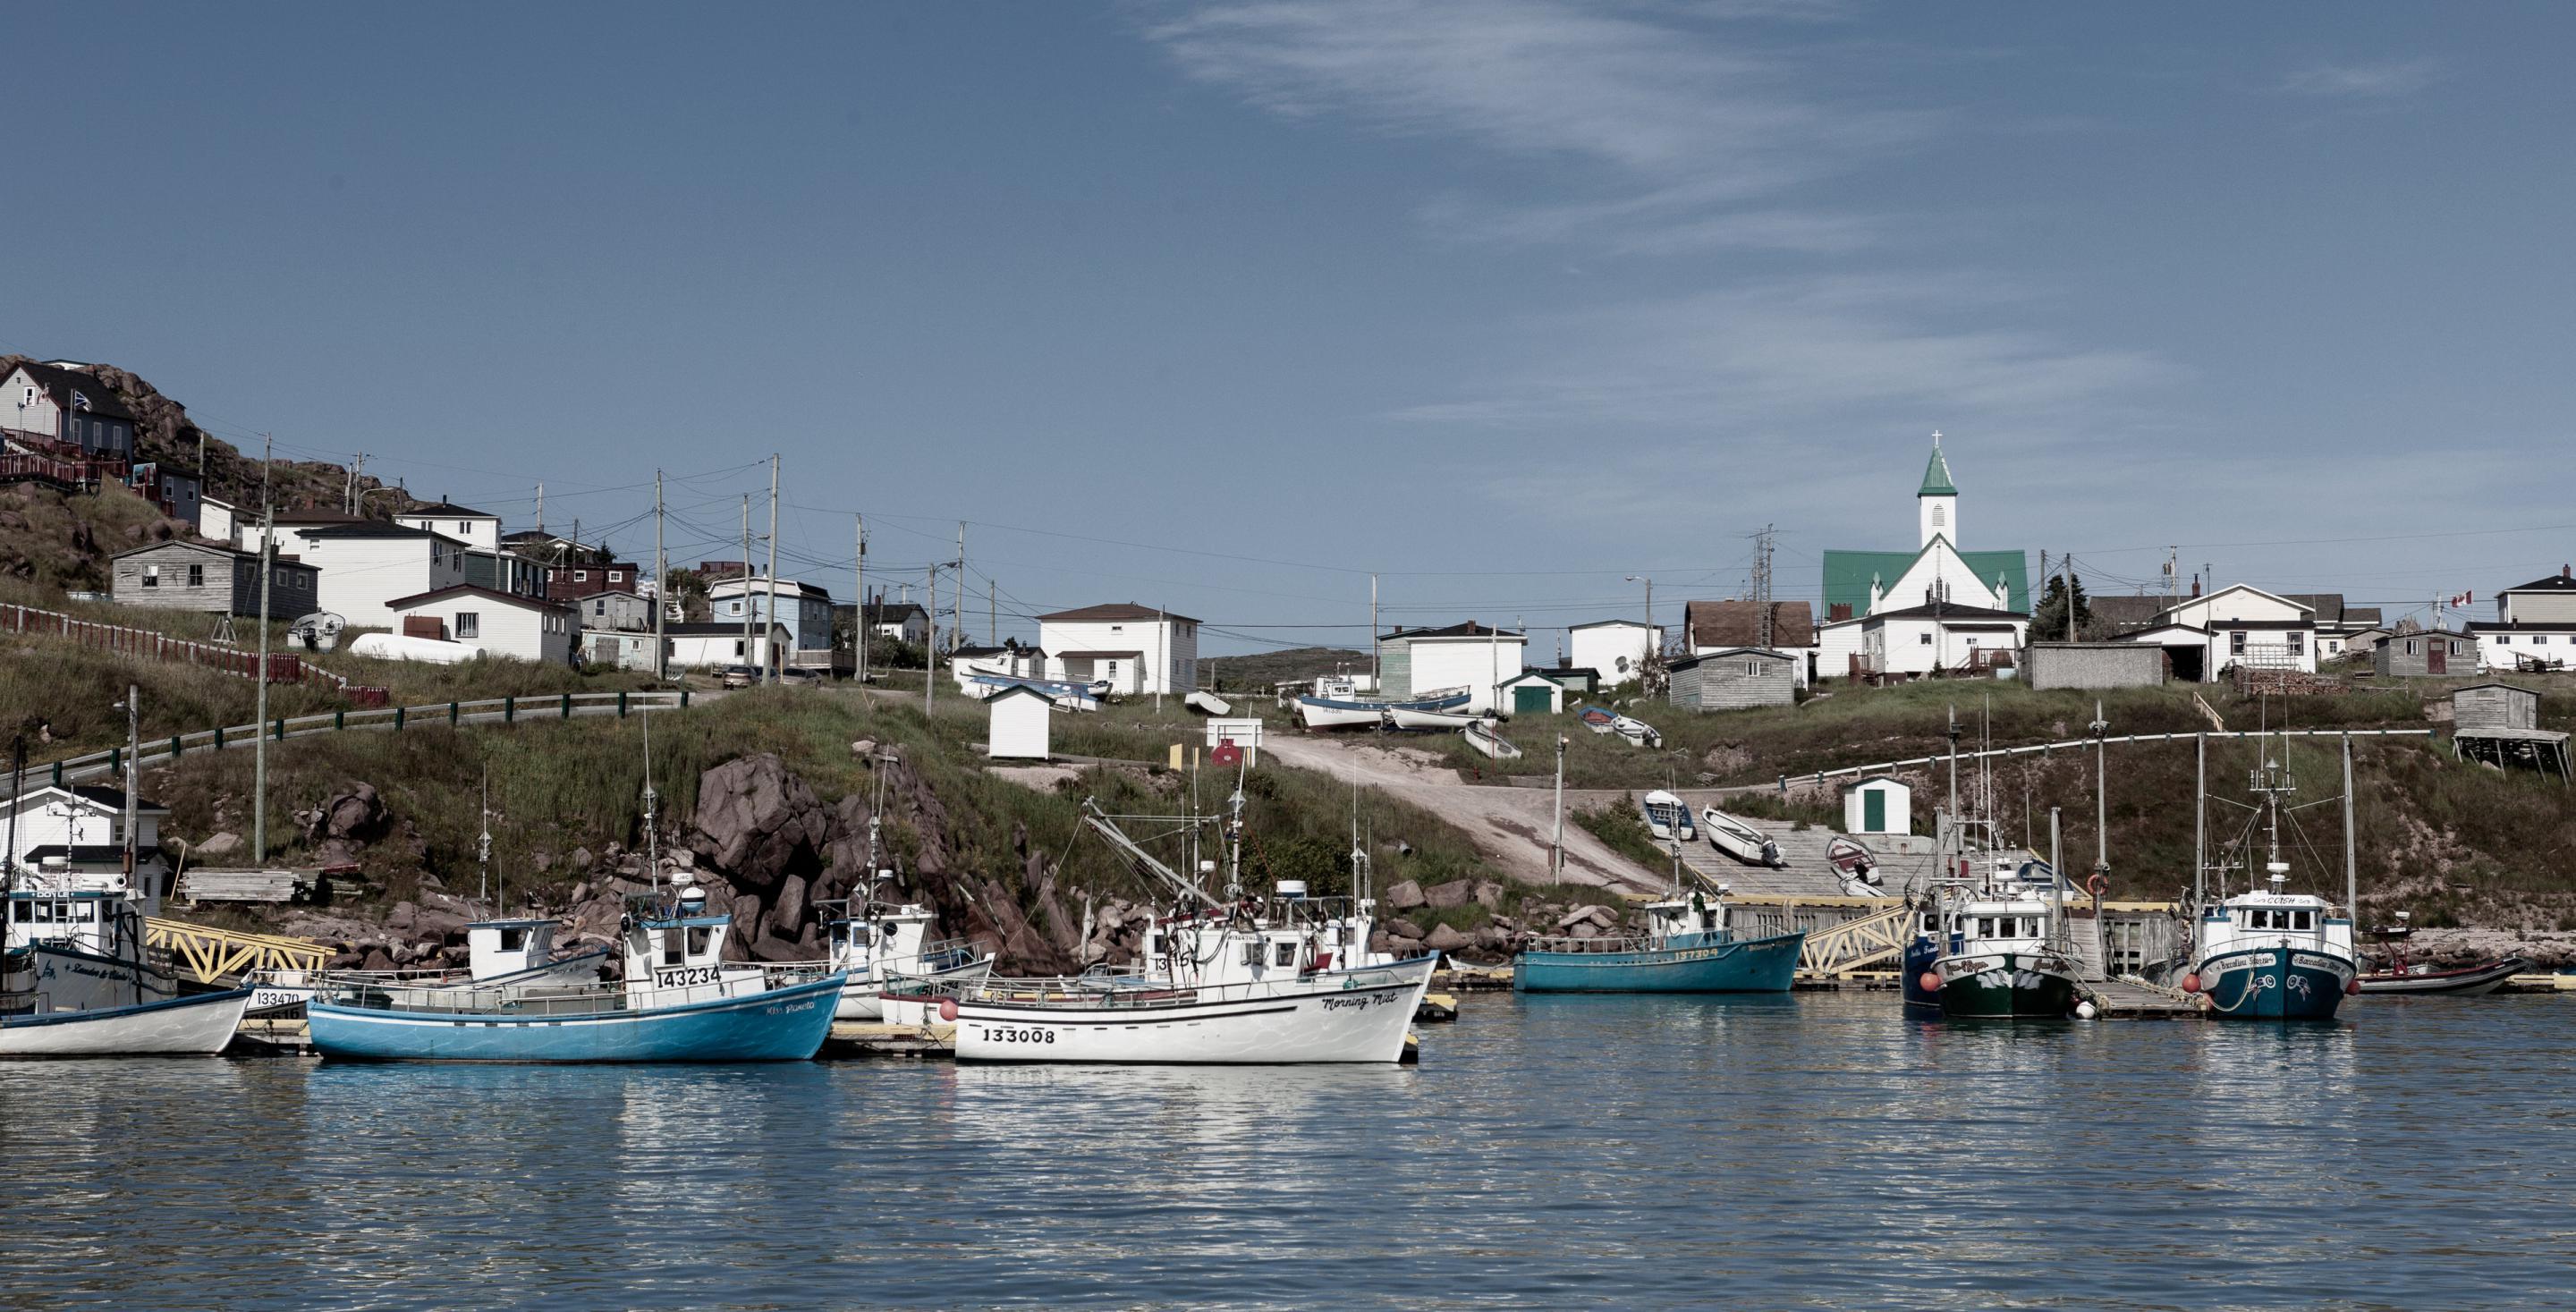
(1877, 940)
(210, 955)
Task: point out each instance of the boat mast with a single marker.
(2351, 867)
(652, 843)
(483, 845)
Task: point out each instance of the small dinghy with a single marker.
(2402, 975)
(1596, 719)
(1636, 731)
(1738, 839)
(1667, 817)
(1482, 736)
(1416, 717)
(1208, 703)
(1857, 865)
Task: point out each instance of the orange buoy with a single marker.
(1930, 981)
(2352, 987)
(2191, 983)
(948, 1009)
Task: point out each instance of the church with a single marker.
(1934, 609)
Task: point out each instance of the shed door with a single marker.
(1529, 701)
(1873, 811)
(2435, 662)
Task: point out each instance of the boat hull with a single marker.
(1484, 739)
(2004, 986)
(786, 1024)
(1761, 965)
(1353, 1020)
(1411, 717)
(2470, 982)
(2275, 983)
(198, 1025)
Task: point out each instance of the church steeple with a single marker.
(1938, 501)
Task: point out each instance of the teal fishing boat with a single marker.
(1686, 949)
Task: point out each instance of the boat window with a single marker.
(1285, 954)
(1931, 923)
(513, 940)
(698, 939)
(2305, 920)
(1985, 926)
(1252, 954)
(671, 947)
(1154, 945)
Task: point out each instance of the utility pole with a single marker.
(2101, 793)
(992, 615)
(2068, 563)
(349, 492)
(746, 580)
(1377, 684)
(1761, 583)
(957, 603)
(1556, 852)
(930, 652)
(541, 508)
(259, 744)
(771, 583)
(661, 588)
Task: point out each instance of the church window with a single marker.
(1940, 515)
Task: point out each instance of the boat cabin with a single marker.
(2273, 918)
(1691, 919)
(1289, 935)
(674, 951)
(506, 947)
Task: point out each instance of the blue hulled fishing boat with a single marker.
(1686, 949)
(680, 1001)
(2270, 954)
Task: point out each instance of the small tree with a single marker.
(2048, 620)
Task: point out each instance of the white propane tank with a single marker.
(396, 647)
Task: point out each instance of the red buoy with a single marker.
(2352, 987)
(948, 1009)
(2191, 982)
(1930, 981)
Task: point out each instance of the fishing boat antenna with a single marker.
(1234, 836)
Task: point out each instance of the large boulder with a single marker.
(1445, 939)
(354, 814)
(1404, 897)
(1445, 897)
(217, 847)
(758, 822)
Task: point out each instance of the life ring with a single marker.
(2097, 884)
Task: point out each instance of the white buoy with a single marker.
(2084, 1011)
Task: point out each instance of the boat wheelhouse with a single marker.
(75, 980)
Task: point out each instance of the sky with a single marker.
(1228, 308)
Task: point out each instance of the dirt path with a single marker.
(1510, 826)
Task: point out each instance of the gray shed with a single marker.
(2500, 724)
(213, 580)
(2426, 653)
(1734, 679)
(2095, 665)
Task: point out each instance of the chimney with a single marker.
(2195, 585)
(2562, 571)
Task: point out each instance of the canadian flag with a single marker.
(2463, 601)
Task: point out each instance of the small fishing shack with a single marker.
(2500, 724)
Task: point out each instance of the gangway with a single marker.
(207, 955)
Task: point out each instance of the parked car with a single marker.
(800, 678)
(740, 676)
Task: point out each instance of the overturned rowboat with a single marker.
(1482, 736)
(1738, 839)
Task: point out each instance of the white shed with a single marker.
(1616, 650)
(1020, 723)
(1878, 806)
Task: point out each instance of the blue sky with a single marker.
(1505, 301)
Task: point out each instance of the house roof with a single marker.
(2327, 605)
(1116, 610)
(1602, 624)
(209, 548)
(1545, 675)
(2494, 683)
(374, 528)
(2558, 582)
(892, 612)
(1764, 652)
(2136, 635)
(1020, 690)
(1936, 475)
(475, 590)
(2126, 612)
(2426, 633)
(2248, 587)
(97, 795)
(1101, 655)
(1848, 573)
(59, 383)
(753, 583)
(1946, 611)
(1470, 629)
(444, 509)
(86, 854)
(1739, 623)
(2520, 626)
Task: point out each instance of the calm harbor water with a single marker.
(1809, 1151)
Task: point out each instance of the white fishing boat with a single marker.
(1336, 1016)
(1415, 717)
(1208, 703)
(884, 946)
(1667, 817)
(2271, 954)
(1337, 703)
(1331, 713)
(1482, 736)
(1636, 731)
(1738, 839)
(77, 983)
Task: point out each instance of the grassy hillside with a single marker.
(1261, 670)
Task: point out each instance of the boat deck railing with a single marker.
(1588, 946)
(1152, 995)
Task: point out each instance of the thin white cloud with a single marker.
(2371, 80)
(1671, 119)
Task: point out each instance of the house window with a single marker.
(581, 576)
(152, 576)
(2504, 639)
(617, 576)
(1111, 671)
(2236, 644)
(1924, 639)
(2540, 640)
(469, 624)
(2298, 643)
(29, 398)
(196, 576)
(2410, 646)
(737, 649)
(599, 607)
(464, 529)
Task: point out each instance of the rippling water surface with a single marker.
(1808, 1151)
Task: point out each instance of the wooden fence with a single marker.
(110, 764)
(151, 644)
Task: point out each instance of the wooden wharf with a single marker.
(2115, 999)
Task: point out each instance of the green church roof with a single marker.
(1849, 574)
(1936, 476)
